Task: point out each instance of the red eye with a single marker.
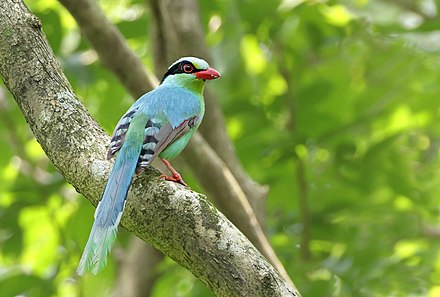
(187, 68)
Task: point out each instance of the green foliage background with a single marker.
(333, 104)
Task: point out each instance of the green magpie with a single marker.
(159, 124)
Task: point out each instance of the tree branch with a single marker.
(179, 222)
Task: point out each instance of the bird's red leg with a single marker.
(176, 176)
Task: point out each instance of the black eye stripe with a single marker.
(178, 68)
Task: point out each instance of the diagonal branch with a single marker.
(179, 222)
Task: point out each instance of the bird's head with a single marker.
(189, 72)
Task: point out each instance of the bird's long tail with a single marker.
(109, 211)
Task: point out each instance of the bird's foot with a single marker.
(175, 178)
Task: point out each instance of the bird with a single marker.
(159, 124)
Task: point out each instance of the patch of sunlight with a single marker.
(322, 155)
(67, 289)
(33, 150)
(6, 199)
(253, 56)
(408, 248)
(10, 171)
(276, 86)
(88, 57)
(287, 5)
(434, 291)
(362, 2)
(235, 128)
(338, 250)
(337, 15)
(280, 240)
(215, 22)
(70, 43)
(320, 274)
(215, 35)
(122, 10)
(403, 203)
(132, 12)
(40, 239)
(319, 246)
(301, 151)
(42, 4)
(66, 19)
(401, 119)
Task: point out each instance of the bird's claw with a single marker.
(175, 178)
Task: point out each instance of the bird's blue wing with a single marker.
(159, 136)
(118, 136)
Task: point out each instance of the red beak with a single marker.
(207, 74)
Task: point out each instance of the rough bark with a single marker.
(179, 222)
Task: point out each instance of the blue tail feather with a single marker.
(109, 211)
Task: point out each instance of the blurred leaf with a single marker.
(28, 285)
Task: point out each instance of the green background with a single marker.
(337, 98)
